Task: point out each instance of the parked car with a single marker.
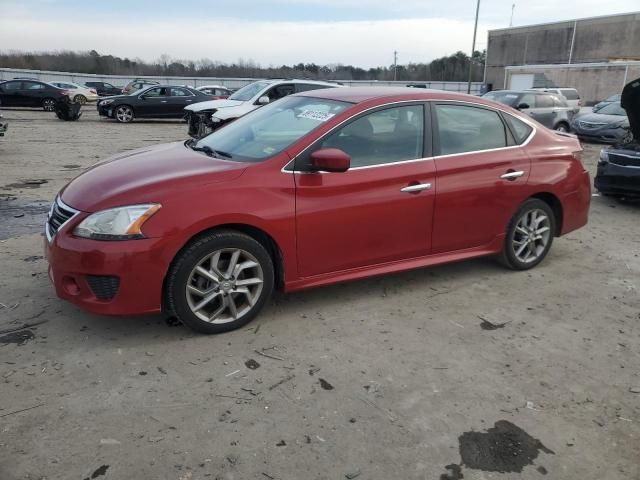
(606, 101)
(30, 93)
(104, 88)
(619, 165)
(609, 124)
(157, 101)
(203, 118)
(77, 93)
(137, 84)
(571, 95)
(550, 110)
(320, 187)
(4, 126)
(218, 92)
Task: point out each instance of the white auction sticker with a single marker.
(316, 115)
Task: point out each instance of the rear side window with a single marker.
(32, 86)
(520, 130)
(469, 129)
(569, 94)
(544, 101)
(180, 92)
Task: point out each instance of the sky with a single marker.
(364, 33)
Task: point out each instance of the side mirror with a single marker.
(330, 160)
(263, 100)
(523, 106)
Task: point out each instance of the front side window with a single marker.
(305, 87)
(247, 92)
(468, 129)
(9, 86)
(156, 92)
(385, 136)
(267, 131)
(279, 92)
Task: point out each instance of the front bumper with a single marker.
(105, 110)
(602, 135)
(613, 179)
(111, 278)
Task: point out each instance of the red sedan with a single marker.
(319, 187)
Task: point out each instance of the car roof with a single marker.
(212, 86)
(364, 94)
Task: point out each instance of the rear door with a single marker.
(180, 98)
(481, 172)
(378, 211)
(10, 93)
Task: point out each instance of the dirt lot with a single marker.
(390, 378)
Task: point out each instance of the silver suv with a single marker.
(550, 110)
(205, 117)
(571, 95)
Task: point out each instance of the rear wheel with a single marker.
(220, 282)
(529, 235)
(49, 104)
(81, 99)
(562, 127)
(123, 114)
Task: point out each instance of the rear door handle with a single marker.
(416, 188)
(512, 175)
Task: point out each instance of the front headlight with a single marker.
(106, 102)
(122, 223)
(604, 156)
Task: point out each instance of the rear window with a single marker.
(520, 130)
(569, 93)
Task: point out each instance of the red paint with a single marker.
(328, 227)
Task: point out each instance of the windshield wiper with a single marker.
(211, 152)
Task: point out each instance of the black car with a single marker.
(30, 93)
(104, 88)
(157, 101)
(3, 125)
(619, 165)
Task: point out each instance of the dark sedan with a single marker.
(30, 93)
(157, 101)
(104, 88)
(607, 125)
(619, 165)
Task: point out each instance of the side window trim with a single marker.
(435, 130)
(427, 147)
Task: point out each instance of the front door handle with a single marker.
(418, 187)
(512, 175)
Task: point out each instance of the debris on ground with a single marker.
(353, 475)
(251, 364)
(325, 385)
(487, 324)
(284, 380)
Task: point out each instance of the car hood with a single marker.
(630, 101)
(214, 104)
(146, 175)
(595, 117)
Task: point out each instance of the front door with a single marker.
(154, 103)
(378, 211)
(481, 171)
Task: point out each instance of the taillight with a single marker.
(215, 97)
(93, 90)
(64, 92)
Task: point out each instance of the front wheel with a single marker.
(124, 114)
(529, 235)
(220, 282)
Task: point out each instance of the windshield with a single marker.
(249, 91)
(269, 130)
(508, 98)
(613, 109)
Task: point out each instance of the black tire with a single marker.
(123, 118)
(81, 99)
(181, 276)
(49, 104)
(508, 255)
(562, 127)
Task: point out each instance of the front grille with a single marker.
(590, 125)
(58, 216)
(104, 287)
(625, 160)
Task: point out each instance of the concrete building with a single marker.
(595, 55)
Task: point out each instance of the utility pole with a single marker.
(395, 64)
(513, 8)
(473, 47)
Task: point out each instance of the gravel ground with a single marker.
(389, 378)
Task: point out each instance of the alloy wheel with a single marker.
(562, 128)
(531, 235)
(124, 114)
(224, 286)
(49, 104)
(81, 99)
